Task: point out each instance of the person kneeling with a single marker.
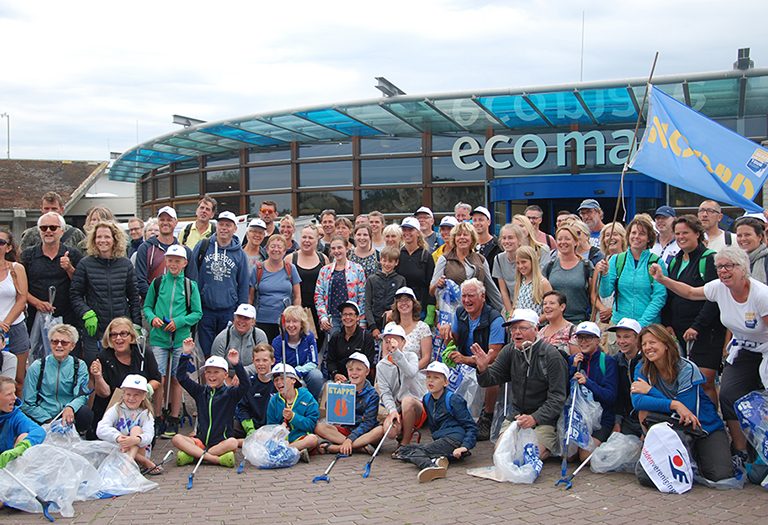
(295, 408)
(215, 409)
(130, 423)
(452, 427)
(344, 439)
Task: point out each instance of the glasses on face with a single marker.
(60, 342)
(711, 211)
(49, 227)
(124, 334)
(519, 328)
(725, 266)
(136, 229)
(3, 242)
(267, 210)
(349, 314)
(533, 218)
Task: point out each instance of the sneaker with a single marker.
(484, 426)
(435, 471)
(227, 459)
(304, 456)
(182, 458)
(739, 459)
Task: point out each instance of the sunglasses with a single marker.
(60, 342)
(3, 242)
(49, 227)
(267, 210)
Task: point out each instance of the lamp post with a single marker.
(8, 132)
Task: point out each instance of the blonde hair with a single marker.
(573, 233)
(298, 313)
(394, 229)
(118, 247)
(464, 227)
(114, 322)
(529, 234)
(516, 230)
(604, 239)
(145, 404)
(289, 219)
(104, 214)
(526, 252)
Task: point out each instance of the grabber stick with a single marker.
(367, 471)
(192, 476)
(45, 504)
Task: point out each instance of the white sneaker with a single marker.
(438, 470)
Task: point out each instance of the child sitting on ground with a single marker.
(215, 408)
(453, 430)
(296, 408)
(345, 439)
(130, 423)
(251, 411)
(400, 386)
(17, 431)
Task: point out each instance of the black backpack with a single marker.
(188, 228)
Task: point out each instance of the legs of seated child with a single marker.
(422, 454)
(412, 412)
(187, 444)
(307, 442)
(332, 434)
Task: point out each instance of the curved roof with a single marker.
(733, 93)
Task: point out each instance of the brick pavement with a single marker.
(392, 495)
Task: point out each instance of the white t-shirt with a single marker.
(744, 320)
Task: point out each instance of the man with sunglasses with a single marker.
(268, 214)
(50, 264)
(51, 202)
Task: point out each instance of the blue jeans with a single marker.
(315, 381)
(213, 322)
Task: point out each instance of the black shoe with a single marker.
(484, 426)
(171, 428)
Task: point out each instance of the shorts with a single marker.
(198, 442)
(546, 435)
(345, 431)
(161, 356)
(422, 419)
(18, 339)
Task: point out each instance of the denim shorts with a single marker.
(18, 339)
(161, 356)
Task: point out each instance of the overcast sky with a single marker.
(80, 79)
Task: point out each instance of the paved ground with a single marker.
(392, 495)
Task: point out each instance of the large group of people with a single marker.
(643, 316)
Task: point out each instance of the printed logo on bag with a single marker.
(676, 463)
(750, 320)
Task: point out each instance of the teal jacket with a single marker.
(305, 413)
(58, 390)
(160, 306)
(638, 295)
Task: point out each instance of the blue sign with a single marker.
(340, 409)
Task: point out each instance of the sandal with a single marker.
(157, 470)
(322, 447)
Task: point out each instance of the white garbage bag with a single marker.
(516, 458)
(268, 448)
(619, 453)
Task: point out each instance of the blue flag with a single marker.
(687, 150)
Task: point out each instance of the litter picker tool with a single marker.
(569, 428)
(325, 476)
(568, 481)
(192, 475)
(45, 504)
(241, 467)
(165, 460)
(367, 471)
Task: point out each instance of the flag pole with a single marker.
(620, 197)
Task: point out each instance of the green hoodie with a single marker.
(161, 307)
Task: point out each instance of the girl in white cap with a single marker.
(130, 423)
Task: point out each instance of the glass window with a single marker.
(390, 145)
(443, 170)
(185, 209)
(222, 180)
(312, 203)
(391, 200)
(283, 201)
(188, 184)
(223, 159)
(445, 142)
(265, 155)
(146, 212)
(163, 188)
(187, 164)
(444, 198)
(391, 171)
(146, 191)
(269, 177)
(325, 149)
(228, 203)
(325, 174)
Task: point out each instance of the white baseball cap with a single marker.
(135, 381)
(523, 314)
(393, 329)
(257, 223)
(405, 291)
(227, 215)
(626, 322)
(483, 210)
(350, 304)
(246, 310)
(588, 327)
(357, 356)
(167, 209)
(438, 368)
(449, 221)
(424, 209)
(177, 250)
(410, 222)
(278, 369)
(216, 362)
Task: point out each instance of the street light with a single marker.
(8, 134)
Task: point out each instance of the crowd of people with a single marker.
(642, 315)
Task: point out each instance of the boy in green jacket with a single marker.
(173, 308)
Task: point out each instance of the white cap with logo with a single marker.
(588, 328)
(167, 209)
(358, 356)
(227, 216)
(523, 314)
(135, 381)
(424, 209)
(626, 322)
(393, 329)
(246, 310)
(216, 361)
(483, 210)
(176, 249)
(438, 368)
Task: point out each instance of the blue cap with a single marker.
(665, 211)
(589, 204)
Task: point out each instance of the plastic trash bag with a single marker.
(268, 448)
(752, 410)
(463, 381)
(585, 419)
(120, 475)
(516, 458)
(619, 453)
(448, 300)
(502, 409)
(38, 335)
